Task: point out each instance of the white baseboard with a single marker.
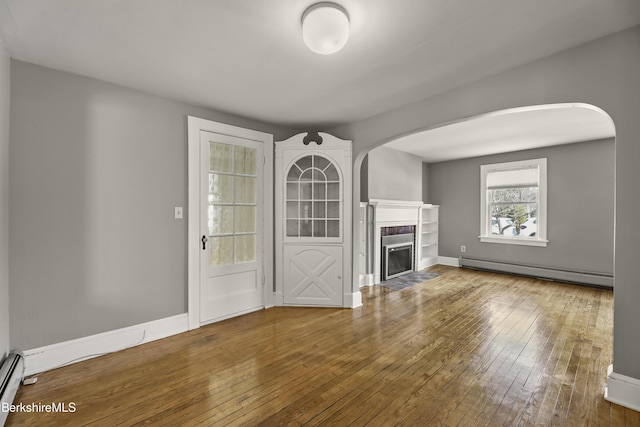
(450, 261)
(622, 390)
(65, 353)
(278, 298)
(353, 300)
(366, 280)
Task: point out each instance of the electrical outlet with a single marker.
(463, 248)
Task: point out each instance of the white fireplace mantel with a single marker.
(391, 213)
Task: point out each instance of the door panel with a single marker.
(231, 259)
(313, 275)
(230, 294)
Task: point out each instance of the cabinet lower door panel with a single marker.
(313, 275)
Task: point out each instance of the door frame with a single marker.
(195, 125)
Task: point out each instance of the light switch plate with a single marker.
(178, 212)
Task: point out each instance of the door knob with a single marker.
(204, 239)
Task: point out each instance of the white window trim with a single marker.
(541, 232)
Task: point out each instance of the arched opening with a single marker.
(579, 141)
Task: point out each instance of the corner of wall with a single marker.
(426, 197)
(364, 180)
(4, 200)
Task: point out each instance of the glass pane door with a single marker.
(313, 199)
(232, 204)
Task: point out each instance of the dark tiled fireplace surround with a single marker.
(392, 237)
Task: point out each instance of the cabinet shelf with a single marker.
(428, 235)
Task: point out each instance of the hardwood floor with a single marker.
(466, 348)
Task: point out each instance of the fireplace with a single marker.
(397, 255)
(390, 218)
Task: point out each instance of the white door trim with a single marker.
(195, 125)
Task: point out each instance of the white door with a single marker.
(313, 275)
(231, 205)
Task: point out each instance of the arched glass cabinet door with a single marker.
(313, 199)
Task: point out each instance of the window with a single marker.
(514, 203)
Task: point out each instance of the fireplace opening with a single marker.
(397, 255)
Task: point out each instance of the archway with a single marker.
(550, 125)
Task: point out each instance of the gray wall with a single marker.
(426, 196)
(604, 73)
(96, 170)
(394, 175)
(580, 198)
(4, 200)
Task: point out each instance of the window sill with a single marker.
(514, 241)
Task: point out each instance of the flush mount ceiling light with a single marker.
(325, 28)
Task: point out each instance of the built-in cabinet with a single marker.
(427, 252)
(313, 220)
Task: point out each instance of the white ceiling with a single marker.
(508, 130)
(247, 56)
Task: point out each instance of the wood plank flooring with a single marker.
(467, 348)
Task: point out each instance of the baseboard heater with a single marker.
(548, 273)
(11, 374)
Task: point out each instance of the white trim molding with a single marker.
(353, 300)
(366, 279)
(523, 241)
(68, 352)
(398, 203)
(622, 390)
(450, 261)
